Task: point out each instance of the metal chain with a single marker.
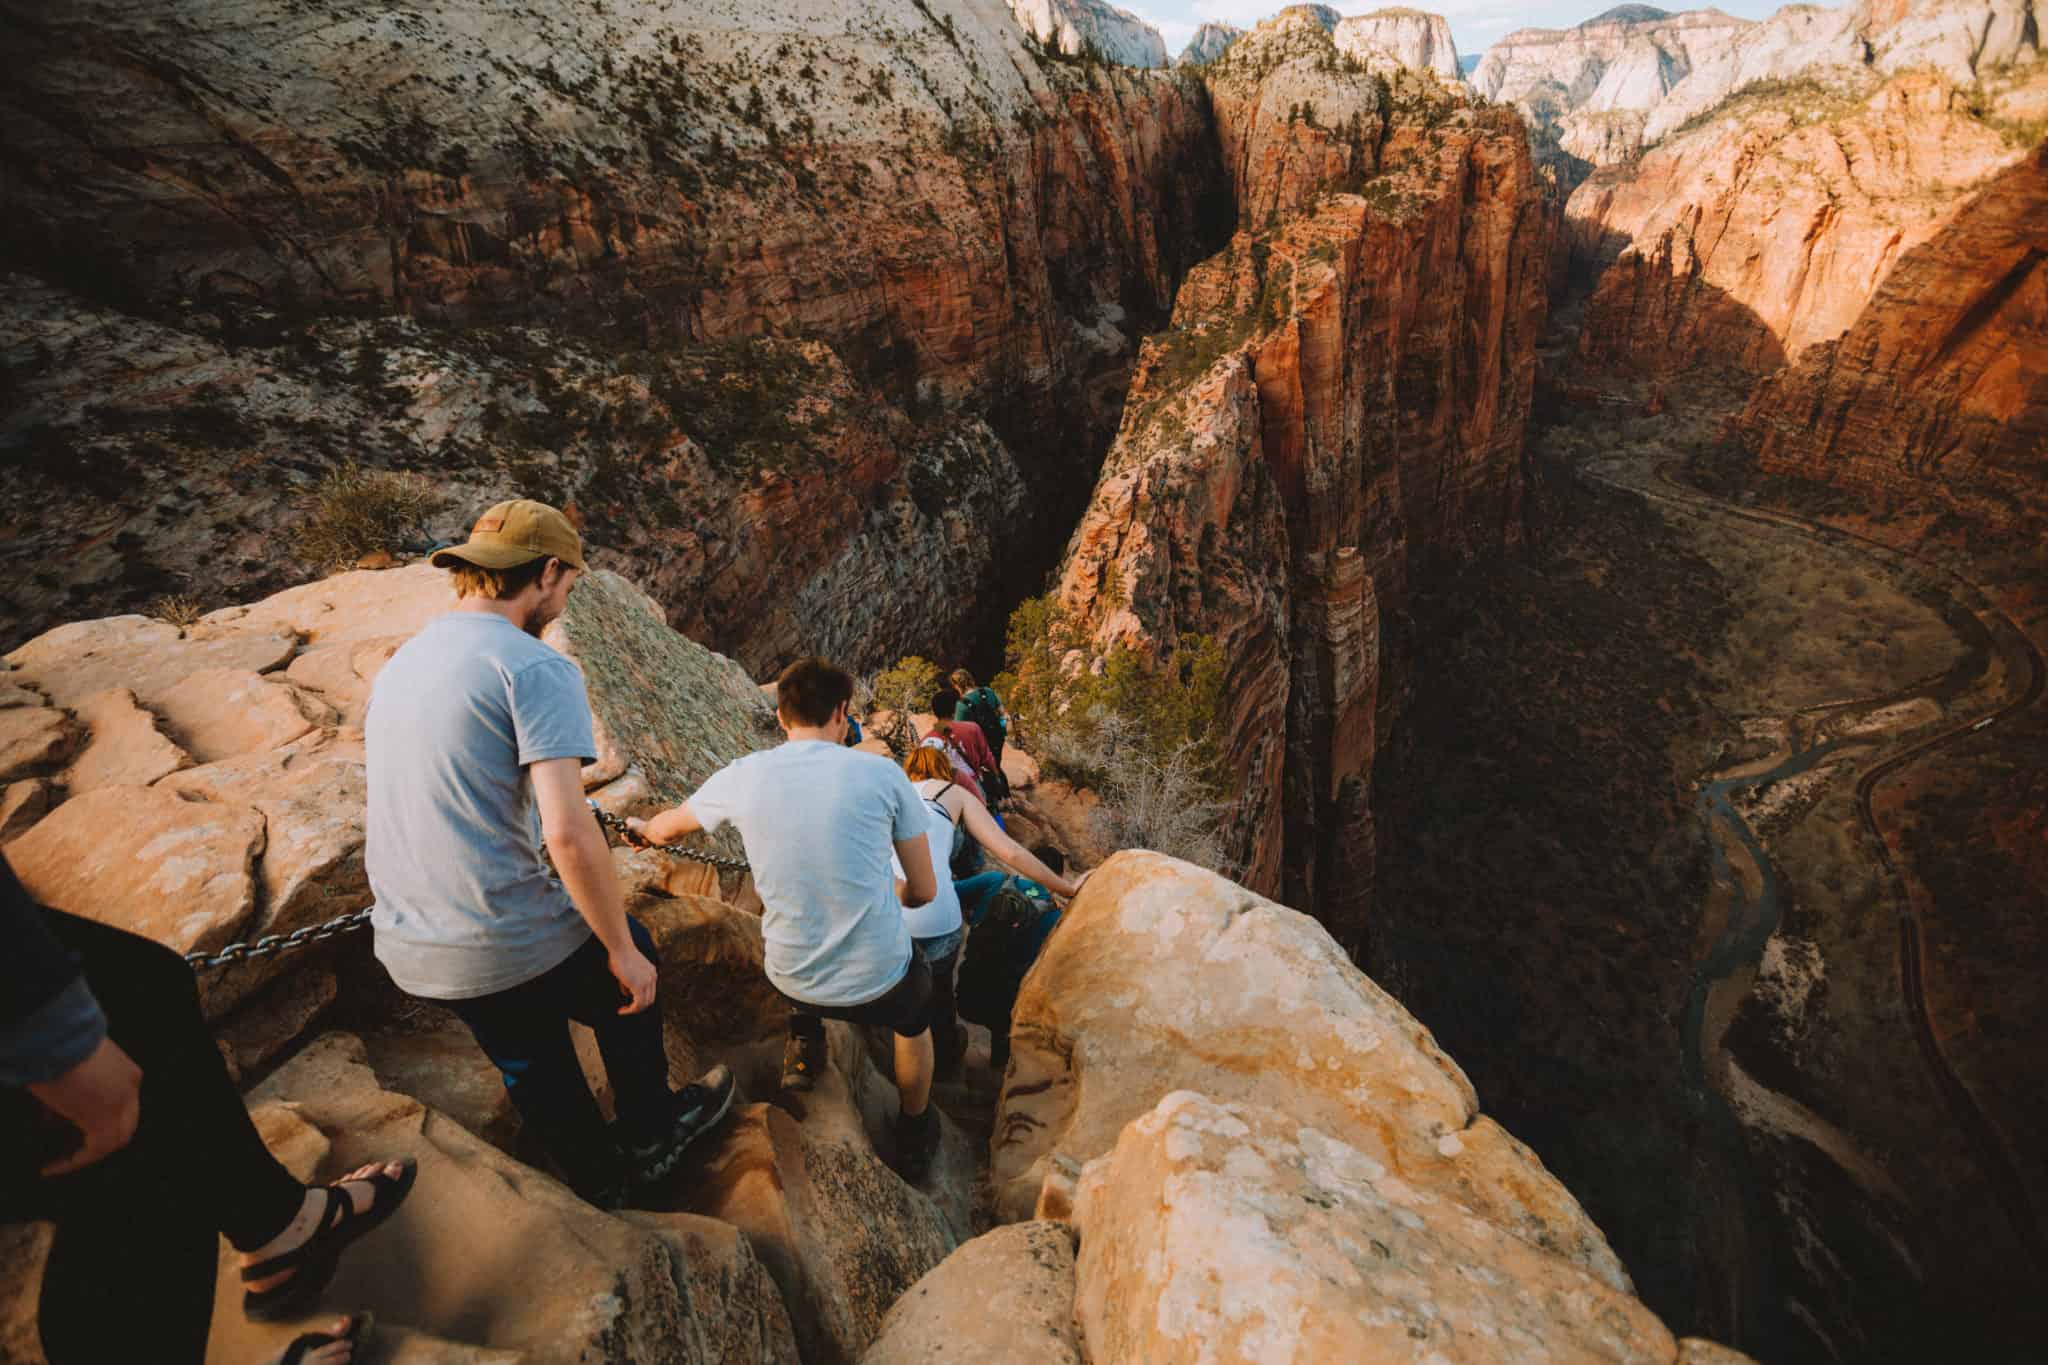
(271, 944)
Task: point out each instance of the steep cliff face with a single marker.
(1402, 38)
(1340, 395)
(1209, 43)
(1074, 26)
(1960, 39)
(972, 227)
(1287, 123)
(1939, 390)
(1629, 57)
(1765, 230)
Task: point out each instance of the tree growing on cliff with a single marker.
(1143, 735)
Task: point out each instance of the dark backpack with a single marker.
(998, 955)
(979, 706)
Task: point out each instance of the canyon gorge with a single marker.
(1613, 487)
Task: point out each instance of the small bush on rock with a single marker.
(355, 512)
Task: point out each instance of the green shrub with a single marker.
(907, 686)
(1085, 722)
(354, 512)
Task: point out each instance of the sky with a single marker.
(1474, 23)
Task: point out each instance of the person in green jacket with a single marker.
(983, 707)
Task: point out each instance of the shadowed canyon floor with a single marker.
(1765, 1061)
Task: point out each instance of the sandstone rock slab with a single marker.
(142, 859)
(1005, 1298)
(221, 712)
(74, 661)
(1162, 977)
(490, 1255)
(21, 805)
(311, 795)
(345, 608)
(124, 748)
(1230, 1233)
(342, 673)
(841, 1234)
(34, 739)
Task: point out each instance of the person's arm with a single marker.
(918, 885)
(584, 862)
(907, 824)
(53, 1035)
(667, 827)
(1014, 855)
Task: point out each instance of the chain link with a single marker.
(271, 944)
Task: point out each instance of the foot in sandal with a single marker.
(286, 1274)
(335, 1346)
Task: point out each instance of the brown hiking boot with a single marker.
(802, 1056)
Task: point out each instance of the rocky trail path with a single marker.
(2021, 678)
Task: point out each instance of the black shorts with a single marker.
(906, 1010)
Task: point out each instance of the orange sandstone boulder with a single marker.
(34, 739)
(146, 860)
(1231, 1233)
(1005, 1298)
(1164, 977)
(125, 747)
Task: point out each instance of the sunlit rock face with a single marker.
(1343, 391)
(1079, 26)
(1765, 229)
(1937, 395)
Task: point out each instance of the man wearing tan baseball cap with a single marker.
(476, 737)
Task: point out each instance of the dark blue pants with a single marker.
(525, 1031)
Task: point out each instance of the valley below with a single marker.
(1691, 899)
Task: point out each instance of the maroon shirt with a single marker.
(970, 743)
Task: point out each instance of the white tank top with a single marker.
(941, 915)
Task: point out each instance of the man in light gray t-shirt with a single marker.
(476, 737)
(819, 822)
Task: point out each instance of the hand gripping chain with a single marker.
(272, 944)
(618, 826)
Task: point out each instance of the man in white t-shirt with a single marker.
(819, 822)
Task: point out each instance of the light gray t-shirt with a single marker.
(466, 905)
(819, 821)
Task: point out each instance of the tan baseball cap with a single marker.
(515, 533)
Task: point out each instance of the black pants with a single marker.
(525, 1031)
(905, 1011)
(131, 1274)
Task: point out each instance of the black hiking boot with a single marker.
(917, 1142)
(802, 1057)
(698, 1108)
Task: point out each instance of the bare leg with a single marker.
(360, 1193)
(914, 1071)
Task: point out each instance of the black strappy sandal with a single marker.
(313, 1261)
(306, 1343)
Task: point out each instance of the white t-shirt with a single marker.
(818, 821)
(940, 915)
